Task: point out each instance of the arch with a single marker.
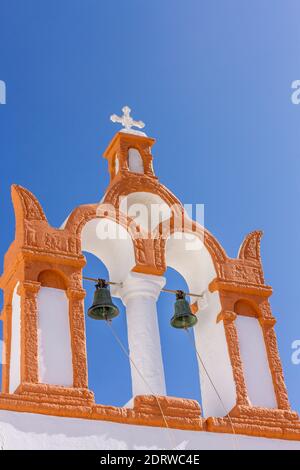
(141, 183)
(179, 358)
(197, 267)
(112, 244)
(108, 366)
(246, 308)
(52, 278)
(187, 226)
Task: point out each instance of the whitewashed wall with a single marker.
(33, 431)
(255, 362)
(55, 355)
(191, 259)
(15, 358)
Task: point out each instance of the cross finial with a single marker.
(127, 122)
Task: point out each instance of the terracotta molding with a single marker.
(229, 317)
(76, 294)
(267, 322)
(119, 147)
(242, 288)
(275, 367)
(226, 316)
(78, 338)
(250, 248)
(38, 247)
(29, 326)
(179, 414)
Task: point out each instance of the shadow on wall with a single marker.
(179, 356)
(108, 366)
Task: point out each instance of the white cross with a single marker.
(127, 121)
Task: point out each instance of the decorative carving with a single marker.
(52, 250)
(250, 248)
(31, 209)
(240, 272)
(31, 237)
(140, 251)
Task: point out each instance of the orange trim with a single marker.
(120, 145)
(43, 255)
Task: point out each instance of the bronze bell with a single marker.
(103, 307)
(183, 317)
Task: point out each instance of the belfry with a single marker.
(243, 391)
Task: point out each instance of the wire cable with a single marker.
(213, 385)
(173, 445)
(164, 289)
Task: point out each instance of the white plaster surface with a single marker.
(146, 209)
(139, 294)
(188, 256)
(255, 362)
(135, 162)
(112, 244)
(14, 373)
(33, 431)
(55, 356)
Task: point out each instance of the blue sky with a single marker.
(212, 80)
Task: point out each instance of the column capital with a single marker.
(141, 285)
(76, 294)
(267, 322)
(226, 316)
(28, 286)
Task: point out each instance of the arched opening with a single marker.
(108, 368)
(187, 255)
(179, 358)
(54, 363)
(109, 257)
(135, 161)
(254, 355)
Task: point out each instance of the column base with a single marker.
(45, 393)
(169, 411)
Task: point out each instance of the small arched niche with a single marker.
(245, 308)
(52, 278)
(254, 355)
(135, 161)
(117, 164)
(187, 254)
(54, 329)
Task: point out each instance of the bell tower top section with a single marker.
(129, 152)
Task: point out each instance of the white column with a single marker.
(139, 294)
